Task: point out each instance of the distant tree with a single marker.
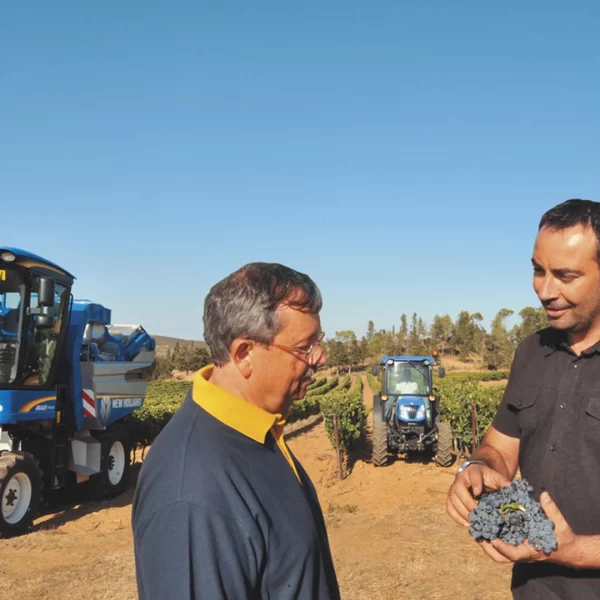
(532, 320)
(404, 334)
(164, 365)
(498, 348)
(337, 355)
(442, 329)
(370, 331)
(416, 345)
(468, 334)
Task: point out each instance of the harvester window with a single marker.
(42, 343)
(12, 291)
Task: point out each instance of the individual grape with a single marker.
(513, 515)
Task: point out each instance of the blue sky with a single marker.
(400, 153)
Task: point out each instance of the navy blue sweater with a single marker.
(218, 515)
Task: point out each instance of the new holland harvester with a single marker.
(67, 379)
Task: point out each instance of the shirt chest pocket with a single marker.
(591, 418)
(524, 402)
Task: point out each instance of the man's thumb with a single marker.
(551, 510)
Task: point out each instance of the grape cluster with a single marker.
(513, 515)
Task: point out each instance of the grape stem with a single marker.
(510, 508)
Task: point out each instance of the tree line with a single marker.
(462, 338)
(188, 358)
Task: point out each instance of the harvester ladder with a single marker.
(60, 440)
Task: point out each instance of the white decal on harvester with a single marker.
(127, 402)
(105, 406)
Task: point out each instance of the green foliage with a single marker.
(351, 414)
(316, 384)
(374, 383)
(345, 383)
(162, 401)
(456, 396)
(303, 409)
(359, 384)
(332, 383)
(464, 376)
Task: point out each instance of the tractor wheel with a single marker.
(380, 450)
(115, 463)
(20, 492)
(445, 445)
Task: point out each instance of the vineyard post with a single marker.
(474, 424)
(337, 446)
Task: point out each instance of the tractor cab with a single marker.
(34, 303)
(407, 388)
(406, 413)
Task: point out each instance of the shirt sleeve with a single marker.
(506, 420)
(191, 552)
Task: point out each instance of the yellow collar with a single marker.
(237, 413)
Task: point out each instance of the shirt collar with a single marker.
(560, 341)
(235, 412)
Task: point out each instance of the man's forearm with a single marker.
(494, 460)
(584, 553)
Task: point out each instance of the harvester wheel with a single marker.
(20, 492)
(445, 445)
(113, 479)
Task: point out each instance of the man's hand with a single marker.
(567, 542)
(472, 482)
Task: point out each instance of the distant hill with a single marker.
(163, 340)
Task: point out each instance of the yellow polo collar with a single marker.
(241, 415)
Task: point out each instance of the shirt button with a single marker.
(562, 404)
(553, 447)
(520, 403)
(574, 366)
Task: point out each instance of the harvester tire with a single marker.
(20, 492)
(445, 445)
(113, 478)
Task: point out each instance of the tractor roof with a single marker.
(407, 359)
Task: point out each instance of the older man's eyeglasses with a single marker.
(307, 353)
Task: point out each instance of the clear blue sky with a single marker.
(401, 153)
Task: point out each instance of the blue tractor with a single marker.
(67, 380)
(406, 413)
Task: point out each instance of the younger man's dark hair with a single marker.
(573, 212)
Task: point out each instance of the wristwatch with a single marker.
(470, 462)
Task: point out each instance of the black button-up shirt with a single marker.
(552, 404)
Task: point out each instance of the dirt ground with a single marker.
(390, 536)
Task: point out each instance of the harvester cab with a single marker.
(67, 380)
(406, 413)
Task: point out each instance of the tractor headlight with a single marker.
(421, 412)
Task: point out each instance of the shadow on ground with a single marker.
(71, 504)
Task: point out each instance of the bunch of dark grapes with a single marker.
(513, 515)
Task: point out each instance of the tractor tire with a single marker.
(380, 449)
(445, 445)
(20, 492)
(115, 464)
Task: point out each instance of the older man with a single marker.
(223, 509)
(548, 423)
